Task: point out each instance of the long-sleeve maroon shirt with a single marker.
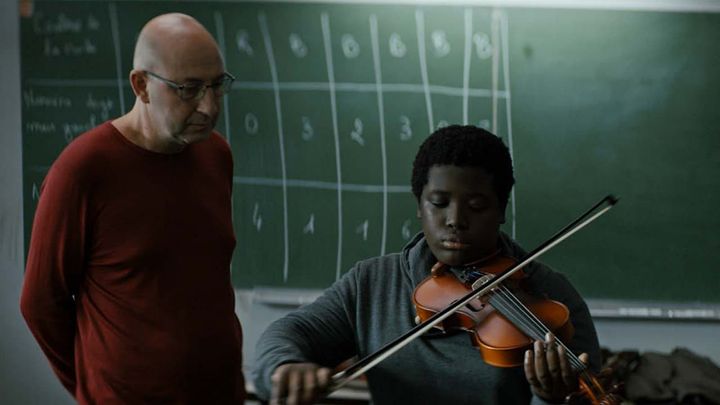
(127, 287)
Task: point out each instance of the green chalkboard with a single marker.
(332, 101)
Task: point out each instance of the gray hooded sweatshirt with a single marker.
(372, 305)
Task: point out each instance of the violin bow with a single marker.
(361, 366)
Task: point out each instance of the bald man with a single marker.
(127, 287)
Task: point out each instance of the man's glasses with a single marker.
(195, 90)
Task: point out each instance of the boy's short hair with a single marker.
(465, 146)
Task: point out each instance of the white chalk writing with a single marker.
(251, 124)
(440, 43)
(35, 192)
(308, 133)
(362, 229)
(405, 130)
(40, 127)
(31, 99)
(72, 129)
(63, 24)
(56, 25)
(350, 47)
(242, 39)
(406, 230)
(256, 217)
(310, 226)
(69, 48)
(356, 133)
(397, 46)
(483, 47)
(297, 46)
(104, 105)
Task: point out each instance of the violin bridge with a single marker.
(482, 280)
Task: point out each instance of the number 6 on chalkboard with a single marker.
(405, 130)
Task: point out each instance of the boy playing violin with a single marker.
(461, 178)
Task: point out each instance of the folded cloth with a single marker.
(681, 377)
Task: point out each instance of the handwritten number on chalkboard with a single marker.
(405, 130)
(406, 230)
(308, 133)
(297, 45)
(256, 217)
(251, 124)
(483, 47)
(93, 23)
(442, 124)
(362, 229)
(356, 133)
(350, 47)
(397, 46)
(242, 40)
(35, 192)
(310, 225)
(440, 43)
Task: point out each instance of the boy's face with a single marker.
(460, 214)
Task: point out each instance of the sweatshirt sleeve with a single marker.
(321, 332)
(54, 266)
(585, 338)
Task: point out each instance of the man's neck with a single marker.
(139, 132)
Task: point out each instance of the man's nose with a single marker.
(209, 104)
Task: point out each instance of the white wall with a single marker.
(25, 376)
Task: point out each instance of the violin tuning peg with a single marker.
(417, 320)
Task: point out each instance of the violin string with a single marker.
(526, 316)
(508, 309)
(516, 309)
(510, 306)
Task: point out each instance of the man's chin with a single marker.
(193, 137)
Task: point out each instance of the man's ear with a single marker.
(138, 82)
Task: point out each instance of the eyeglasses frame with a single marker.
(179, 87)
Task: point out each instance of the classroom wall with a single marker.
(26, 378)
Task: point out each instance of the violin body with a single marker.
(507, 349)
(496, 320)
(499, 341)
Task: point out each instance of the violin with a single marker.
(488, 318)
(505, 322)
(472, 306)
